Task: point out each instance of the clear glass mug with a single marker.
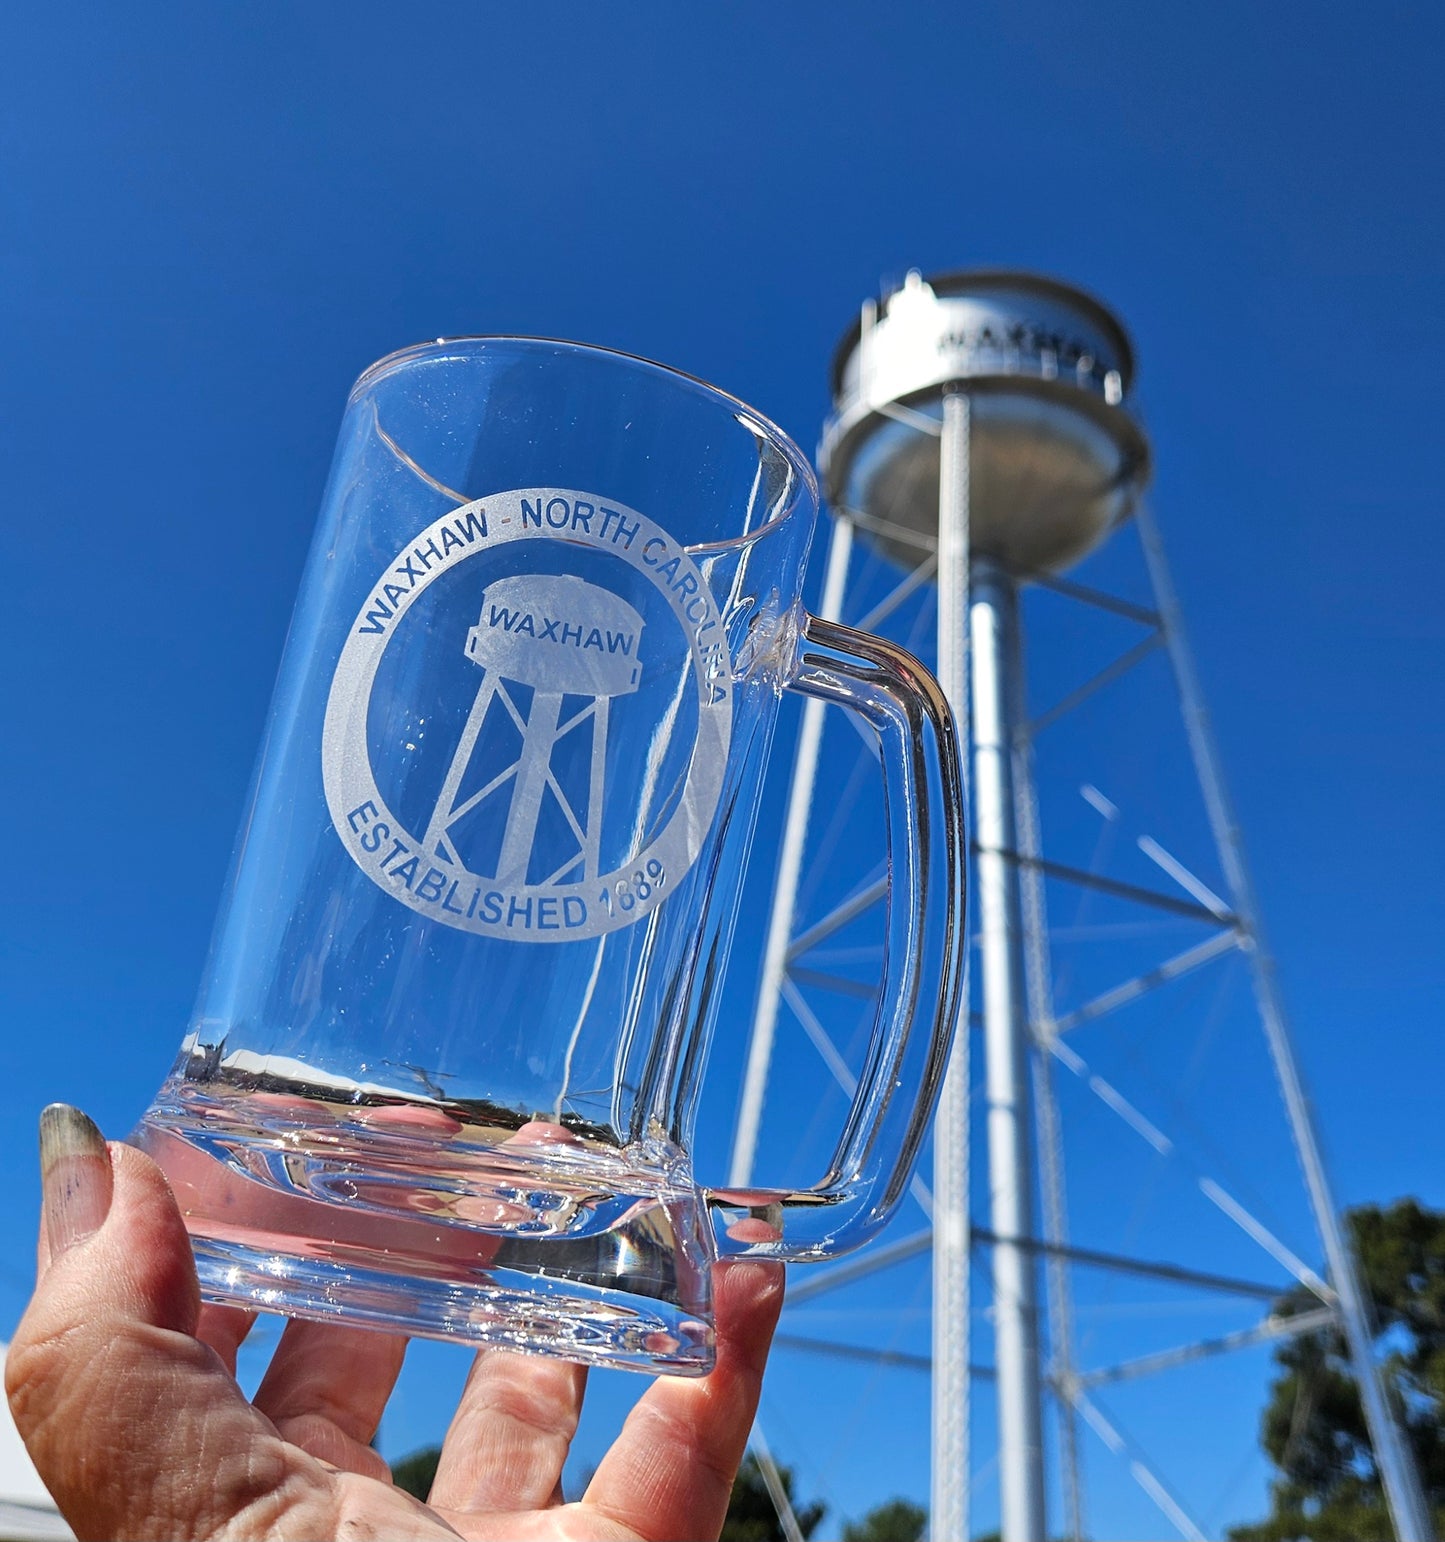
(447, 1051)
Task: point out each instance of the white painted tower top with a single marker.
(1056, 456)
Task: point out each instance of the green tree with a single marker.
(751, 1516)
(900, 1520)
(1328, 1487)
(415, 1473)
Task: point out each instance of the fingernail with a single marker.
(75, 1176)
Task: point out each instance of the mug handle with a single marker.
(919, 996)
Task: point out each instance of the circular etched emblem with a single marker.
(518, 750)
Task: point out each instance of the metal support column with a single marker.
(785, 892)
(950, 1478)
(993, 629)
(1406, 1499)
(1038, 975)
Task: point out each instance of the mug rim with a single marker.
(780, 439)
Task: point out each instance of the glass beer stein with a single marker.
(446, 1056)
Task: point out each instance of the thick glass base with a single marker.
(402, 1217)
(505, 1308)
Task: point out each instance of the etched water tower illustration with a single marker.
(573, 647)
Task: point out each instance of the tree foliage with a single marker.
(900, 1520)
(1328, 1487)
(416, 1472)
(751, 1516)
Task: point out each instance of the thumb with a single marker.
(135, 1426)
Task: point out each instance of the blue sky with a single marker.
(211, 219)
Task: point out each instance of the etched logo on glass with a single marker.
(547, 819)
(562, 636)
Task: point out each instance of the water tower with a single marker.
(505, 645)
(983, 440)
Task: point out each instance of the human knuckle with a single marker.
(40, 1367)
(531, 1408)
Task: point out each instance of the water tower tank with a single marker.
(1056, 459)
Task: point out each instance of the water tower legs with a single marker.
(950, 1476)
(1400, 1477)
(978, 655)
(993, 615)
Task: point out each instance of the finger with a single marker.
(326, 1388)
(42, 1251)
(672, 1468)
(136, 1427)
(224, 1328)
(510, 1435)
(75, 1170)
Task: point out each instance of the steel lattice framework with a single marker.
(956, 545)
